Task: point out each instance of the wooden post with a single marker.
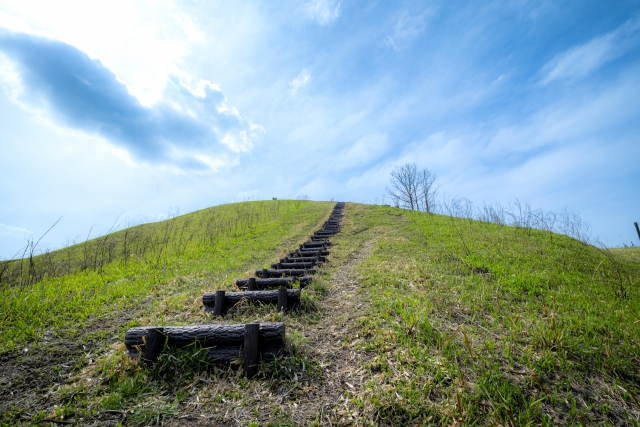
(154, 343)
(251, 284)
(637, 229)
(251, 348)
(265, 273)
(218, 307)
(282, 299)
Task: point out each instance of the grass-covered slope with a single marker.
(92, 280)
(487, 324)
(445, 322)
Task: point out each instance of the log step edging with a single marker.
(265, 283)
(291, 272)
(315, 245)
(310, 252)
(223, 343)
(294, 258)
(290, 265)
(231, 299)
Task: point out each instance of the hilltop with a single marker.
(418, 319)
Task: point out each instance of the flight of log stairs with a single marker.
(251, 341)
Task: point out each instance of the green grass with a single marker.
(166, 264)
(467, 323)
(476, 323)
(628, 254)
(159, 279)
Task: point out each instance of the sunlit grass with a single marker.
(162, 266)
(467, 322)
(483, 324)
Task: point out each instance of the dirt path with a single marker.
(334, 342)
(310, 399)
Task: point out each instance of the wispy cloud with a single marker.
(324, 12)
(300, 81)
(406, 28)
(363, 152)
(585, 58)
(8, 230)
(193, 127)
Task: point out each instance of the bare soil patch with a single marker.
(29, 378)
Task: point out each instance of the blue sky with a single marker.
(143, 109)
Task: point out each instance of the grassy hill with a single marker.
(417, 320)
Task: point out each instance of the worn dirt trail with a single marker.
(334, 344)
(322, 399)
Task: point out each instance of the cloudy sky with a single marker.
(141, 109)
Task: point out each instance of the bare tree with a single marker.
(428, 190)
(404, 186)
(413, 188)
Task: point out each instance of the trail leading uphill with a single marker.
(252, 342)
(409, 319)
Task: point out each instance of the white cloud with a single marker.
(324, 12)
(141, 41)
(583, 59)
(406, 28)
(300, 81)
(186, 137)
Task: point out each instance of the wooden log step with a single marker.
(266, 283)
(309, 252)
(304, 259)
(224, 341)
(294, 260)
(320, 239)
(314, 245)
(296, 265)
(231, 299)
(291, 272)
(314, 254)
(229, 354)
